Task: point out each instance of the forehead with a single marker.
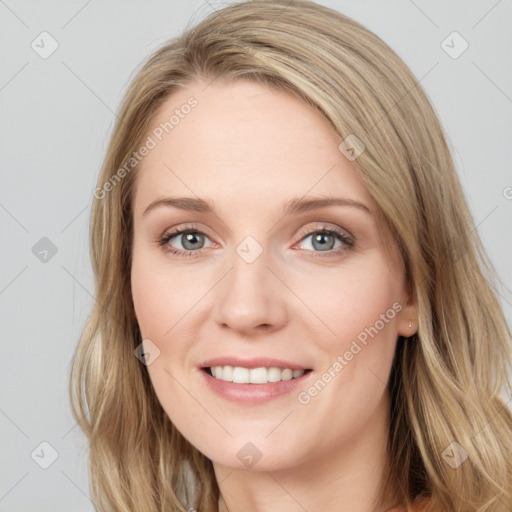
(243, 142)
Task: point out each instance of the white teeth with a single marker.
(240, 375)
(287, 374)
(257, 376)
(274, 375)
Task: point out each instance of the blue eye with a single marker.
(189, 238)
(324, 240)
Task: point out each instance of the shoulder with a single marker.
(421, 504)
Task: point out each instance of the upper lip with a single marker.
(255, 362)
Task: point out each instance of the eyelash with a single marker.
(348, 242)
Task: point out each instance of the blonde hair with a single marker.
(445, 380)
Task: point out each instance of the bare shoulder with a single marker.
(421, 504)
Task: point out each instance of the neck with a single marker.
(347, 478)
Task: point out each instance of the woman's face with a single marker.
(259, 280)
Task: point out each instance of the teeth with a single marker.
(240, 375)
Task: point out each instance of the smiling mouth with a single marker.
(262, 375)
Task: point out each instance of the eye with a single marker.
(189, 238)
(324, 241)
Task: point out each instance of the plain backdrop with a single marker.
(57, 112)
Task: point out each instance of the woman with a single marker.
(292, 309)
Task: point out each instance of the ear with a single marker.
(408, 316)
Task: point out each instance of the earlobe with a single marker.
(411, 328)
(408, 323)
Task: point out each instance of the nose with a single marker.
(250, 298)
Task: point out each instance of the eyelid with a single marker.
(326, 226)
(181, 229)
(189, 226)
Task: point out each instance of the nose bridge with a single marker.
(249, 296)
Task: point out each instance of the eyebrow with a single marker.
(294, 206)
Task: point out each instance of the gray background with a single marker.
(57, 114)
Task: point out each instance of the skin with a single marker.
(249, 149)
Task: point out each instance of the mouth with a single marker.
(254, 381)
(260, 375)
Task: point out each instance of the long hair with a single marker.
(446, 380)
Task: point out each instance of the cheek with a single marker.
(159, 305)
(350, 301)
(148, 304)
(357, 334)
(166, 300)
(357, 310)
(164, 293)
(154, 299)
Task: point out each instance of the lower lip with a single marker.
(253, 393)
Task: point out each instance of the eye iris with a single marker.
(191, 238)
(320, 238)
